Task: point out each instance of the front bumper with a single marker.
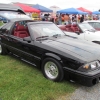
(86, 79)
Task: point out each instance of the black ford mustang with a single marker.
(44, 45)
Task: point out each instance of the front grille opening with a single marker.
(94, 81)
(99, 79)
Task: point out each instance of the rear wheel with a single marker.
(52, 69)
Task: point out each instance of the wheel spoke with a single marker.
(51, 70)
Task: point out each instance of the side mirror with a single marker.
(77, 32)
(28, 39)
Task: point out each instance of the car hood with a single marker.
(79, 50)
(90, 36)
(94, 36)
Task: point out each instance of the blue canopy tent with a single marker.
(42, 8)
(95, 12)
(71, 11)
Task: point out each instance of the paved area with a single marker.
(87, 93)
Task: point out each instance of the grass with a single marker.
(1, 23)
(21, 81)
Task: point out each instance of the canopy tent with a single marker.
(27, 8)
(42, 8)
(95, 12)
(71, 11)
(84, 10)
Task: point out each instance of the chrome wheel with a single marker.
(0, 49)
(51, 70)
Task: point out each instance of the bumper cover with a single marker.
(86, 79)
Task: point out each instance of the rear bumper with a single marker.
(86, 79)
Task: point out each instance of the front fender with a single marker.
(53, 55)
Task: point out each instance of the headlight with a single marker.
(89, 66)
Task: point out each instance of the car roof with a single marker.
(32, 21)
(39, 22)
(10, 7)
(20, 19)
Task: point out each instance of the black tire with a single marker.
(52, 70)
(3, 50)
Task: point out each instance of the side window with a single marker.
(20, 30)
(6, 28)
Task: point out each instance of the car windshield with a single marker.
(86, 27)
(12, 14)
(45, 30)
(95, 24)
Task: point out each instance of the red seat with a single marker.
(62, 27)
(20, 31)
(75, 28)
(68, 28)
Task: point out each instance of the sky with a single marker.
(63, 4)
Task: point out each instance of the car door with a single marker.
(25, 49)
(5, 34)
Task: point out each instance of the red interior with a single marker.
(21, 31)
(69, 28)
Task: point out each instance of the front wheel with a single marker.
(52, 69)
(3, 50)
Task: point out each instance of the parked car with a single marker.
(9, 11)
(94, 23)
(82, 31)
(45, 46)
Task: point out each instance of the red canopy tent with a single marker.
(27, 8)
(84, 10)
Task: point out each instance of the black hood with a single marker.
(73, 48)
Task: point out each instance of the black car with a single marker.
(45, 46)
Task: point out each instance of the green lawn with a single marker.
(1, 23)
(21, 81)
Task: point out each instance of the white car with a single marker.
(94, 23)
(83, 31)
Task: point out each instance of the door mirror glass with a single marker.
(28, 39)
(77, 32)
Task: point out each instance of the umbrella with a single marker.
(42, 8)
(84, 10)
(95, 12)
(71, 11)
(27, 8)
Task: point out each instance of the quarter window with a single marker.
(6, 28)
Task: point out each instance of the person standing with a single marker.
(66, 19)
(81, 18)
(60, 19)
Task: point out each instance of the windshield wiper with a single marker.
(91, 30)
(56, 35)
(42, 37)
